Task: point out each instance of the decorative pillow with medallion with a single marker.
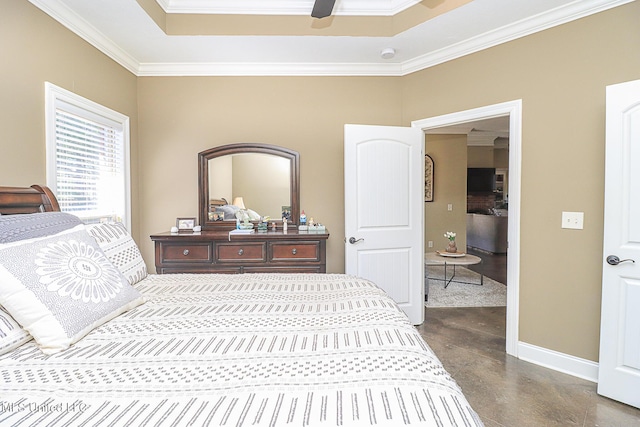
(59, 287)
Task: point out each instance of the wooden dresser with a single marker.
(220, 252)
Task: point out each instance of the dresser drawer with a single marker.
(299, 251)
(188, 252)
(241, 252)
(224, 253)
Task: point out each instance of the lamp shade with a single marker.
(239, 202)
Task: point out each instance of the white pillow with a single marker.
(60, 287)
(122, 251)
(253, 215)
(11, 334)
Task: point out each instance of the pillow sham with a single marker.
(229, 211)
(62, 286)
(118, 245)
(11, 333)
(253, 215)
(30, 226)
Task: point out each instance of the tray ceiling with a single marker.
(251, 37)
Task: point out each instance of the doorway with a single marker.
(476, 152)
(512, 110)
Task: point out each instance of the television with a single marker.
(481, 180)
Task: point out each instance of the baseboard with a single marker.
(567, 364)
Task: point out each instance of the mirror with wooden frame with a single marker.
(262, 180)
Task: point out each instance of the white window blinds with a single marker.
(87, 160)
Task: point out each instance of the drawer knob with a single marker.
(294, 251)
(241, 251)
(185, 252)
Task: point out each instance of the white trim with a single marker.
(561, 362)
(53, 94)
(284, 7)
(513, 109)
(268, 69)
(561, 15)
(67, 17)
(544, 21)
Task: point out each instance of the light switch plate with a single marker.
(574, 220)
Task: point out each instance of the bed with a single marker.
(202, 349)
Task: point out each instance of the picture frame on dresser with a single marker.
(185, 223)
(216, 216)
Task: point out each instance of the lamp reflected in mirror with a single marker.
(239, 202)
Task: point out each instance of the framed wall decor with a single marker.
(428, 178)
(185, 223)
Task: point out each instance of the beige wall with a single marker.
(35, 49)
(264, 183)
(501, 158)
(449, 154)
(480, 157)
(560, 74)
(181, 116)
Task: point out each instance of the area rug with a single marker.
(490, 294)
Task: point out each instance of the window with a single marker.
(87, 157)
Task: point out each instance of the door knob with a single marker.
(353, 240)
(614, 260)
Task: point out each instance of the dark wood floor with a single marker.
(493, 266)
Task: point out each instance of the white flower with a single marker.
(450, 235)
(75, 269)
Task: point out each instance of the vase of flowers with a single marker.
(451, 247)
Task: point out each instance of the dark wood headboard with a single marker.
(22, 200)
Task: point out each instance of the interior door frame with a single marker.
(513, 109)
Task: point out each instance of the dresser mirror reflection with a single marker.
(262, 180)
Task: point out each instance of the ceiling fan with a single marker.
(322, 8)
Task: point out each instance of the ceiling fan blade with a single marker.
(322, 8)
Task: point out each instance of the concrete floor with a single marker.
(506, 391)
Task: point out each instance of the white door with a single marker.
(384, 211)
(619, 370)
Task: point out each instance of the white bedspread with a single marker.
(240, 350)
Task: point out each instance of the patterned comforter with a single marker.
(240, 350)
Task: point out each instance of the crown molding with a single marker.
(71, 20)
(268, 69)
(284, 7)
(485, 138)
(561, 15)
